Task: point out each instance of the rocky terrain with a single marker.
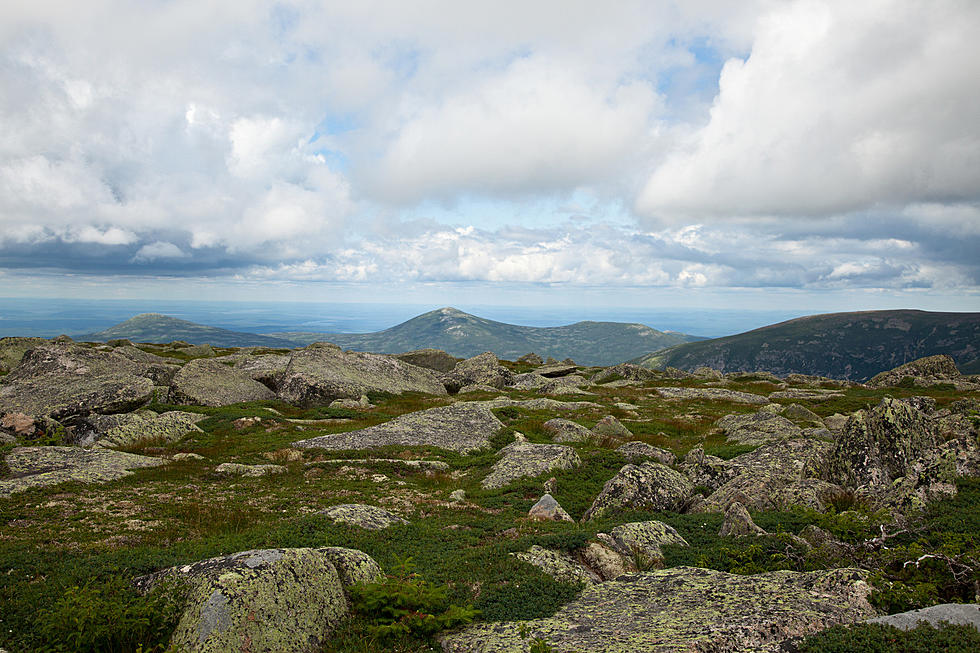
(317, 499)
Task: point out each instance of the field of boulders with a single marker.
(181, 497)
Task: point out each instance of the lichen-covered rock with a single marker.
(547, 509)
(953, 613)
(627, 371)
(556, 370)
(559, 565)
(705, 470)
(371, 518)
(267, 369)
(529, 381)
(12, 350)
(809, 394)
(525, 459)
(321, 372)
(467, 389)
(460, 427)
(738, 522)
(484, 369)
(65, 380)
(126, 429)
(530, 359)
(705, 372)
(253, 471)
(648, 485)
(712, 394)
(40, 466)
(637, 450)
(757, 428)
(931, 368)
(565, 430)
(431, 359)
(541, 403)
(267, 600)
(801, 414)
(684, 609)
(209, 382)
(610, 427)
(565, 385)
(795, 459)
(604, 558)
(880, 445)
(18, 424)
(644, 539)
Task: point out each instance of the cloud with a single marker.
(839, 107)
(157, 250)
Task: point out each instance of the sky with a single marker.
(809, 155)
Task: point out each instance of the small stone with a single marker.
(738, 523)
(610, 427)
(547, 509)
(457, 496)
(550, 485)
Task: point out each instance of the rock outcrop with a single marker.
(547, 509)
(643, 540)
(431, 359)
(484, 369)
(252, 471)
(40, 466)
(371, 518)
(649, 485)
(610, 427)
(930, 368)
(127, 429)
(565, 430)
(712, 394)
(525, 459)
(460, 427)
(210, 382)
(636, 450)
(684, 609)
(12, 350)
(757, 428)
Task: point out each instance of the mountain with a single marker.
(465, 335)
(153, 327)
(853, 346)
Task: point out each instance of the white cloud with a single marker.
(158, 250)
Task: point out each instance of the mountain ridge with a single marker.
(157, 327)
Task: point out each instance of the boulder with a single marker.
(684, 609)
(565, 385)
(542, 403)
(460, 427)
(530, 359)
(126, 429)
(757, 428)
(321, 372)
(649, 486)
(547, 509)
(800, 414)
(814, 395)
(371, 518)
(467, 389)
(209, 382)
(559, 565)
(254, 471)
(556, 370)
(267, 600)
(880, 445)
(604, 558)
(564, 430)
(63, 381)
(712, 394)
(610, 427)
(41, 466)
(12, 350)
(524, 459)
(431, 359)
(965, 614)
(267, 369)
(644, 539)
(627, 371)
(738, 522)
(930, 368)
(484, 369)
(705, 470)
(637, 450)
(705, 372)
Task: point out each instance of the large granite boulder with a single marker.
(757, 428)
(65, 380)
(644, 539)
(625, 371)
(525, 459)
(268, 600)
(565, 430)
(930, 368)
(126, 429)
(636, 450)
(647, 486)
(210, 382)
(267, 369)
(41, 466)
(431, 359)
(321, 372)
(460, 427)
(610, 427)
(738, 523)
(484, 369)
(684, 609)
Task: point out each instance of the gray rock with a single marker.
(565, 385)
(564, 430)
(712, 394)
(964, 614)
(800, 414)
(637, 450)
(460, 427)
(254, 471)
(321, 372)
(627, 371)
(930, 368)
(547, 509)
(126, 429)
(286, 600)
(604, 558)
(484, 369)
(644, 539)
(371, 518)
(431, 359)
(476, 388)
(556, 370)
(65, 380)
(529, 381)
(684, 609)
(738, 522)
(267, 369)
(427, 466)
(178, 457)
(559, 565)
(33, 467)
(12, 350)
(524, 459)
(457, 496)
(209, 382)
(757, 428)
(705, 372)
(541, 403)
(705, 470)
(814, 395)
(648, 485)
(610, 427)
(530, 359)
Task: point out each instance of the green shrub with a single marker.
(879, 638)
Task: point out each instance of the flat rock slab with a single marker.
(287, 600)
(524, 459)
(713, 394)
(126, 429)
(809, 394)
(757, 428)
(423, 465)
(209, 382)
(542, 403)
(636, 450)
(371, 518)
(40, 466)
(684, 609)
(564, 430)
(460, 427)
(253, 471)
(965, 614)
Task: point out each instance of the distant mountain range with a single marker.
(154, 327)
(453, 331)
(853, 346)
